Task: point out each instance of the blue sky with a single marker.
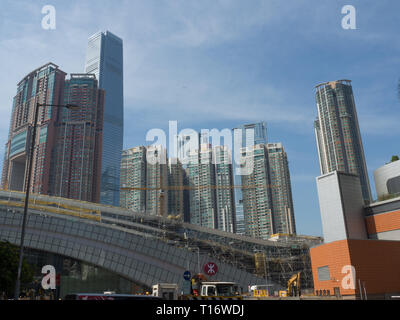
(218, 64)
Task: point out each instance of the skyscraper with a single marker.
(248, 134)
(281, 189)
(210, 178)
(76, 162)
(104, 58)
(267, 192)
(257, 195)
(338, 134)
(156, 180)
(43, 85)
(201, 176)
(133, 175)
(143, 180)
(68, 142)
(224, 194)
(175, 191)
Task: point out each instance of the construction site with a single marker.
(276, 260)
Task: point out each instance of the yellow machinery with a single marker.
(294, 286)
(283, 293)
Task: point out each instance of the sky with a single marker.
(222, 63)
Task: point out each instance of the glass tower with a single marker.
(104, 58)
(338, 134)
(258, 136)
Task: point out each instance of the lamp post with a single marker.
(198, 259)
(28, 184)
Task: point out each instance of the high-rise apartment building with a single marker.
(245, 135)
(133, 175)
(257, 195)
(281, 189)
(104, 58)
(211, 195)
(156, 181)
(185, 144)
(144, 180)
(224, 193)
(68, 142)
(267, 194)
(338, 134)
(175, 191)
(76, 164)
(201, 176)
(43, 85)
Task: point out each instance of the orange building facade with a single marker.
(384, 222)
(361, 268)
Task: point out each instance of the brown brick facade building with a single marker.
(376, 262)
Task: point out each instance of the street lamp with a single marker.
(198, 259)
(28, 184)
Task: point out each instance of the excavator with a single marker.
(294, 286)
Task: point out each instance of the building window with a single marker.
(323, 273)
(393, 185)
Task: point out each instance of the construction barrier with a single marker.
(260, 293)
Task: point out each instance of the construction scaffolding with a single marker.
(275, 260)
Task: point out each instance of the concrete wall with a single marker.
(341, 205)
(353, 205)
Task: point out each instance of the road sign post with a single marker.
(187, 275)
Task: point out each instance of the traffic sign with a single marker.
(210, 268)
(187, 275)
(187, 287)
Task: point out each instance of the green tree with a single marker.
(9, 257)
(395, 158)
